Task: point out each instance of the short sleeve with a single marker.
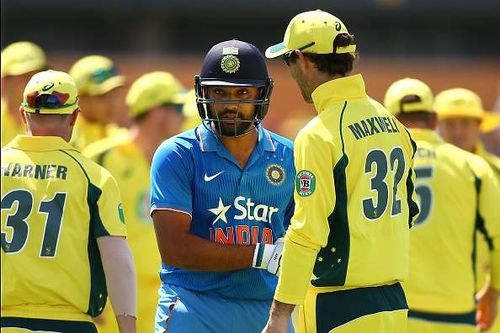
(107, 214)
(172, 172)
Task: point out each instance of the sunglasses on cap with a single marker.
(102, 74)
(54, 100)
(290, 54)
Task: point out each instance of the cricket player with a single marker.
(63, 229)
(458, 195)
(461, 119)
(154, 103)
(221, 200)
(20, 61)
(99, 85)
(347, 248)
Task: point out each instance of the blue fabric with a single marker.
(193, 172)
(184, 311)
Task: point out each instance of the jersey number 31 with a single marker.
(53, 208)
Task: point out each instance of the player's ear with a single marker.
(73, 117)
(23, 115)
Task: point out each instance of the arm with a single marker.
(120, 280)
(279, 316)
(488, 202)
(487, 308)
(179, 248)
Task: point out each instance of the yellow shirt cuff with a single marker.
(297, 265)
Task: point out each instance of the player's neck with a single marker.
(146, 142)
(241, 147)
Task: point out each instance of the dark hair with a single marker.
(333, 63)
(425, 118)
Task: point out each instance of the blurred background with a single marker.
(447, 43)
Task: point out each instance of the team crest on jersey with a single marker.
(305, 183)
(230, 64)
(275, 174)
(120, 213)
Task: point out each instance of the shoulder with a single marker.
(280, 141)
(178, 149)
(96, 174)
(181, 143)
(98, 149)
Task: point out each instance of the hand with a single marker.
(487, 308)
(268, 256)
(279, 317)
(274, 265)
(276, 326)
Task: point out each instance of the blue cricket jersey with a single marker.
(194, 173)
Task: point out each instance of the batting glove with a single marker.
(268, 256)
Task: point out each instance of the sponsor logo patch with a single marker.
(305, 183)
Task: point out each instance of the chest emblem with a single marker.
(275, 174)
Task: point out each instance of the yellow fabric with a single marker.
(86, 132)
(458, 102)
(22, 57)
(10, 127)
(386, 322)
(95, 75)
(48, 83)
(408, 95)
(151, 90)
(441, 271)
(22, 330)
(55, 279)
(316, 29)
(131, 170)
(422, 326)
(370, 250)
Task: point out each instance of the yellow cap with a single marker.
(153, 89)
(408, 95)
(458, 103)
(50, 92)
(312, 32)
(95, 75)
(190, 111)
(464, 103)
(21, 58)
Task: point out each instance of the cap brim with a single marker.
(233, 83)
(490, 122)
(108, 85)
(276, 50)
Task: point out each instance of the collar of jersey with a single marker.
(341, 89)
(424, 134)
(40, 143)
(210, 142)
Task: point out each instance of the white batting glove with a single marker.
(268, 256)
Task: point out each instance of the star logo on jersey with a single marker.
(220, 212)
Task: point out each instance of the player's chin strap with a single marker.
(268, 256)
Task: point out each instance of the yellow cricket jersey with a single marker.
(458, 195)
(86, 132)
(10, 127)
(354, 198)
(491, 159)
(130, 168)
(55, 204)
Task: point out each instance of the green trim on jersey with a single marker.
(468, 318)
(49, 325)
(337, 308)
(336, 252)
(98, 291)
